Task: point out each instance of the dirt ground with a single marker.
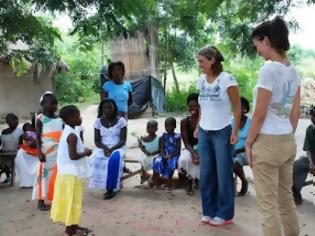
(137, 210)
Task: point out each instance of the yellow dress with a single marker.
(67, 204)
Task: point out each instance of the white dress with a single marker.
(102, 175)
(26, 166)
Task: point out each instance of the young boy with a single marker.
(304, 165)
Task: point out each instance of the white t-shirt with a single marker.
(283, 82)
(10, 142)
(64, 163)
(214, 101)
(110, 136)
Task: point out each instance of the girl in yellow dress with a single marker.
(67, 201)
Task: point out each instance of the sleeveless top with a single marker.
(51, 133)
(64, 163)
(152, 146)
(190, 132)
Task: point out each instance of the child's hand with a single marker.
(234, 138)
(167, 157)
(195, 159)
(87, 152)
(108, 152)
(42, 157)
(139, 141)
(196, 133)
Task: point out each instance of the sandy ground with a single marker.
(137, 210)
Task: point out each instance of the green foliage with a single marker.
(306, 67)
(19, 23)
(176, 101)
(304, 60)
(98, 19)
(82, 80)
(245, 71)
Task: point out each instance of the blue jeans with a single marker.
(216, 173)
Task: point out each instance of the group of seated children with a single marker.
(164, 154)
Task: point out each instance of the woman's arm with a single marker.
(122, 140)
(104, 94)
(235, 99)
(183, 130)
(295, 112)
(197, 125)
(162, 147)
(72, 146)
(130, 99)
(98, 140)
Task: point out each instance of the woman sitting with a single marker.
(110, 139)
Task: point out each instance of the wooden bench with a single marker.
(133, 173)
(8, 158)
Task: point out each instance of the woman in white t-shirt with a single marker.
(216, 138)
(270, 145)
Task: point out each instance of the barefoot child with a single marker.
(110, 133)
(170, 144)
(149, 145)
(48, 129)
(67, 202)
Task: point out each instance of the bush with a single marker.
(176, 101)
(82, 80)
(243, 69)
(71, 89)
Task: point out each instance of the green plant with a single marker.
(82, 79)
(176, 101)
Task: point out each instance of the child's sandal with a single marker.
(83, 231)
(67, 234)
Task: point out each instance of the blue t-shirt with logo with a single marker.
(119, 93)
(242, 133)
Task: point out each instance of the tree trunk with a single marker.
(165, 76)
(175, 78)
(166, 57)
(102, 53)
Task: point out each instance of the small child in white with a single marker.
(149, 145)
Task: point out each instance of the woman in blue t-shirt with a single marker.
(118, 89)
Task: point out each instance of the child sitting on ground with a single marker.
(149, 145)
(165, 164)
(67, 200)
(10, 140)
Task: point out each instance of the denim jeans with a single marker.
(216, 173)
